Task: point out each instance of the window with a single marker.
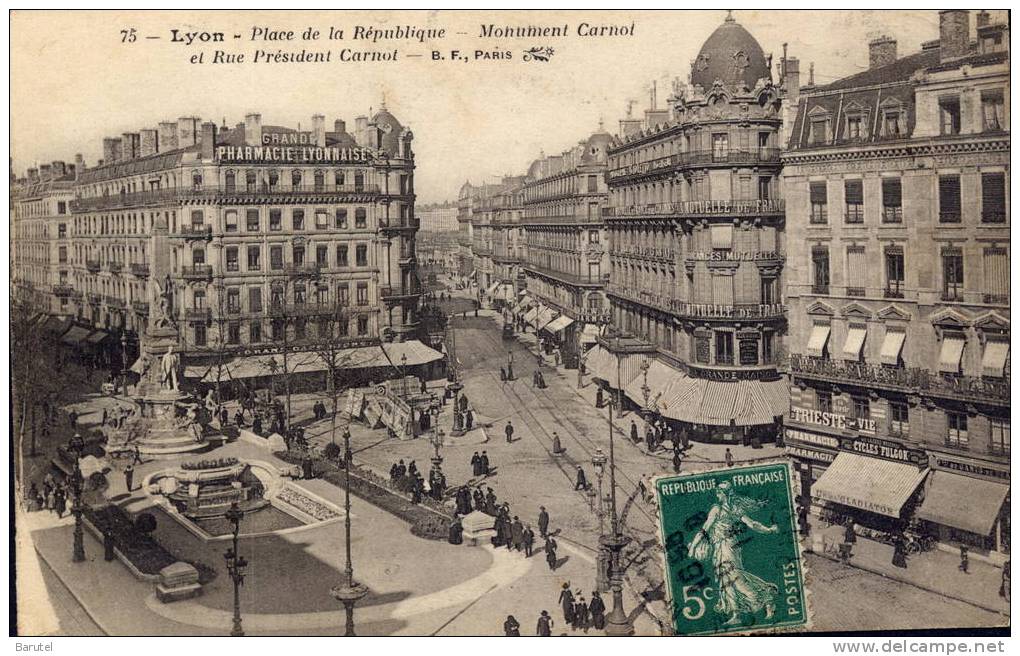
(763, 144)
(342, 327)
(250, 181)
(62, 255)
(255, 332)
(233, 300)
(724, 348)
(593, 184)
(341, 219)
(322, 256)
(322, 296)
(254, 299)
(338, 176)
(62, 231)
(278, 331)
(768, 291)
(892, 200)
(232, 264)
(764, 187)
(899, 418)
(276, 257)
(823, 400)
(748, 351)
(299, 255)
(952, 274)
(894, 272)
(341, 256)
(362, 297)
(233, 333)
(361, 255)
(252, 220)
(274, 178)
(321, 220)
(992, 110)
(61, 207)
(343, 294)
(768, 339)
(993, 197)
(295, 178)
(949, 198)
(820, 267)
(819, 131)
(999, 442)
(854, 191)
(199, 334)
(276, 219)
(854, 127)
(300, 329)
(299, 294)
(949, 115)
(229, 180)
(198, 256)
(819, 203)
(860, 407)
(276, 297)
(230, 221)
(362, 325)
(196, 181)
(359, 181)
(956, 430)
(720, 147)
(360, 218)
(197, 218)
(996, 266)
(319, 180)
(891, 126)
(297, 218)
(254, 252)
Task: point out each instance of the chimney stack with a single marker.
(167, 138)
(361, 132)
(253, 129)
(129, 145)
(59, 169)
(187, 131)
(881, 51)
(79, 165)
(149, 144)
(72, 171)
(319, 130)
(208, 140)
(44, 173)
(983, 18)
(954, 33)
(111, 150)
(33, 175)
(791, 75)
(339, 126)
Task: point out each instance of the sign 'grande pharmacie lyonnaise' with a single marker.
(294, 147)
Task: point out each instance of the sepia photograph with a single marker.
(579, 322)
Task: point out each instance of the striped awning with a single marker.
(617, 371)
(75, 335)
(971, 504)
(559, 323)
(545, 315)
(660, 376)
(872, 484)
(720, 403)
(529, 316)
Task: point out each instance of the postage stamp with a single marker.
(733, 559)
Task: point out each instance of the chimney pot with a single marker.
(149, 144)
(881, 51)
(954, 33)
(339, 126)
(208, 140)
(167, 138)
(187, 131)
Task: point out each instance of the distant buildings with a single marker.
(438, 217)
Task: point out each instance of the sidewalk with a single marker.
(935, 571)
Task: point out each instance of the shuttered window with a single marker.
(819, 203)
(996, 266)
(854, 192)
(892, 200)
(993, 197)
(722, 290)
(949, 198)
(856, 270)
(894, 272)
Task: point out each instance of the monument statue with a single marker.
(162, 297)
(170, 364)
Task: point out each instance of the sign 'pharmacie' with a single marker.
(294, 147)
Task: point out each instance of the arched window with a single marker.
(229, 180)
(250, 180)
(359, 181)
(274, 178)
(339, 178)
(196, 180)
(295, 178)
(320, 180)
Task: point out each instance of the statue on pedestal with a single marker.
(162, 298)
(170, 364)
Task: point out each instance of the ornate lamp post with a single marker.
(436, 437)
(77, 489)
(236, 564)
(349, 591)
(617, 622)
(598, 461)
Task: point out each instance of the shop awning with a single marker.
(618, 372)
(993, 362)
(75, 335)
(545, 315)
(492, 289)
(56, 325)
(559, 323)
(97, 337)
(951, 354)
(721, 403)
(971, 504)
(590, 333)
(854, 342)
(872, 484)
(760, 402)
(529, 316)
(816, 342)
(891, 347)
(660, 375)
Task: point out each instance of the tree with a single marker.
(335, 355)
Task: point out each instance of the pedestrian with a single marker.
(899, 558)
(479, 499)
(239, 418)
(502, 374)
(417, 486)
(677, 461)
(463, 402)
(581, 613)
(483, 463)
(566, 601)
(582, 480)
(509, 430)
(103, 421)
(510, 371)
(72, 418)
(633, 432)
(456, 531)
(1004, 585)
(649, 438)
(550, 553)
(412, 469)
(60, 502)
(597, 609)
(393, 474)
(729, 458)
(964, 559)
(556, 446)
(137, 460)
(256, 425)
(541, 381)
(543, 521)
(424, 386)
(599, 401)
(469, 419)
(490, 501)
(511, 627)
(545, 624)
(51, 499)
(849, 534)
(224, 417)
(534, 378)
(476, 464)
(529, 541)
(517, 534)
(129, 474)
(401, 470)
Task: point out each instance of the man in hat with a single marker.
(543, 521)
(129, 474)
(476, 462)
(517, 534)
(550, 553)
(597, 609)
(509, 430)
(545, 624)
(633, 432)
(483, 463)
(529, 541)
(582, 480)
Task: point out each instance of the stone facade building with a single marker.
(896, 183)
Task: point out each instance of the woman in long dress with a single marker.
(720, 540)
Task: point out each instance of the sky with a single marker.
(73, 80)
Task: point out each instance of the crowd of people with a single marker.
(53, 496)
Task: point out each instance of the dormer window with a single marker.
(820, 131)
(891, 123)
(856, 128)
(992, 110)
(949, 115)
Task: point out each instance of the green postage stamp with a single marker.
(733, 559)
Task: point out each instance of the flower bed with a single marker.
(307, 505)
(216, 463)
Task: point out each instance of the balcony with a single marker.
(287, 310)
(95, 299)
(197, 272)
(560, 276)
(197, 314)
(722, 256)
(115, 267)
(140, 269)
(912, 379)
(657, 253)
(699, 208)
(194, 231)
(140, 307)
(282, 192)
(822, 290)
(92, 266)
(115, 303)
(302, 269)
(61, 291)
(696, 158)
(996, 299)
(388, 293)
(167, 196)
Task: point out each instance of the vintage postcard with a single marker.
(621, 322)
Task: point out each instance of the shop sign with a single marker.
(826, 441)
(810, 454)
(968, 468)
(870, 446)
(832, 420)
(277, 153)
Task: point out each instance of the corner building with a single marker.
(897, 182)
(697, 246)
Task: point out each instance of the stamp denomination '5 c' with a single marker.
(733, 561)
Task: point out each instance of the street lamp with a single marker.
(77, 489)
(236, 564)
(348, 592)
(598, 461)
(617, 622)
(436, 436)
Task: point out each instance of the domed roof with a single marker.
(391, 129)
(597, 148)
(732, 55)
